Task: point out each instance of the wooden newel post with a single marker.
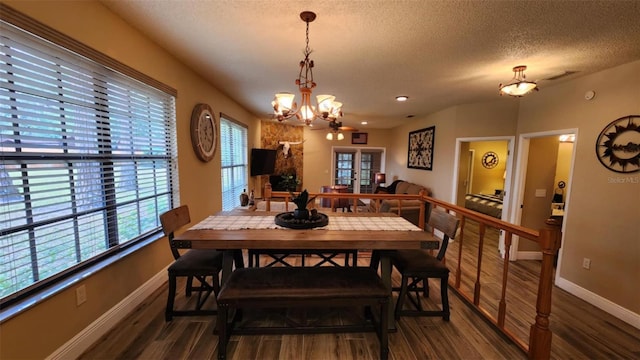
(267, 195)
(422, 213)
(540, 335)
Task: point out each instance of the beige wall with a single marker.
(318, 153)
(38, 332)
(491, 119)
(443, 153)
(601, 222)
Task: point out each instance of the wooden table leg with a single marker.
(385, 274)
(227, 264)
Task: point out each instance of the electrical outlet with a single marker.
(586, 263)
(81, 295)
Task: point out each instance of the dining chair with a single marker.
(195, 264)
(417, 266)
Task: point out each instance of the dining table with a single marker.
(234, 231)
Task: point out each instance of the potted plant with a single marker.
(301, 201)
(289, 182)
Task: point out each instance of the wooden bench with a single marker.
(310, 287)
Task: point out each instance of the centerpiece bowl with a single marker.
(288, 220)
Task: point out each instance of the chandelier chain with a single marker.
(305, 78)
(307, 50)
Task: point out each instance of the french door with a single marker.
(355, 167)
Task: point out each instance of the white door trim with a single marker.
(506, 208)
(357, 150)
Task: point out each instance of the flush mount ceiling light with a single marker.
(518, 86)
(402, 98)
(326, 108)
(568, 138)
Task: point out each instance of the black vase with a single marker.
(301, 214)
(244, 198)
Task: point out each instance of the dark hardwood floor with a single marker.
(580, 331)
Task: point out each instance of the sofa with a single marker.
(410, 208)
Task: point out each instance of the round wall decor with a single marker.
(203, 132)
(490, 160)
(618, 145)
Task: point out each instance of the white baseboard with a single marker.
(529, 255)
(598, 301)
(75, 347)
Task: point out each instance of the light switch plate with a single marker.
(541, 192)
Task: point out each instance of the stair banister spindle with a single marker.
(502, 307)
(476, 289)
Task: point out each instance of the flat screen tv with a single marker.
(263, 161)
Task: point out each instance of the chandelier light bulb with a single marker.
(307, 112)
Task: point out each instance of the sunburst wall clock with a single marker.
(618, 145)
(490, 160)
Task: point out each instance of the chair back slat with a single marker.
(173, 220)
(448, 224)
(445, 222)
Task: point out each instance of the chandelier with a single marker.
(326, 107)
(518, 86)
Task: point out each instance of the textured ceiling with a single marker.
(439, 53)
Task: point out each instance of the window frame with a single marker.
(22, 299)
(241, 169)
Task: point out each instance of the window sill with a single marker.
(38, 297)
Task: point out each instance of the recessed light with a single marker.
(402, 98)
(410, 116)
(364, 123)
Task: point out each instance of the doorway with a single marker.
(542, 185)
(355, 167)
(481, 176)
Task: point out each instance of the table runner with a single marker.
(234, 222)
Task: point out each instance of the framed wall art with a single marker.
(359, 138)
(421, 148)
(618, 145)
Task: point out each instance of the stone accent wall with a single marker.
(271, 134)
